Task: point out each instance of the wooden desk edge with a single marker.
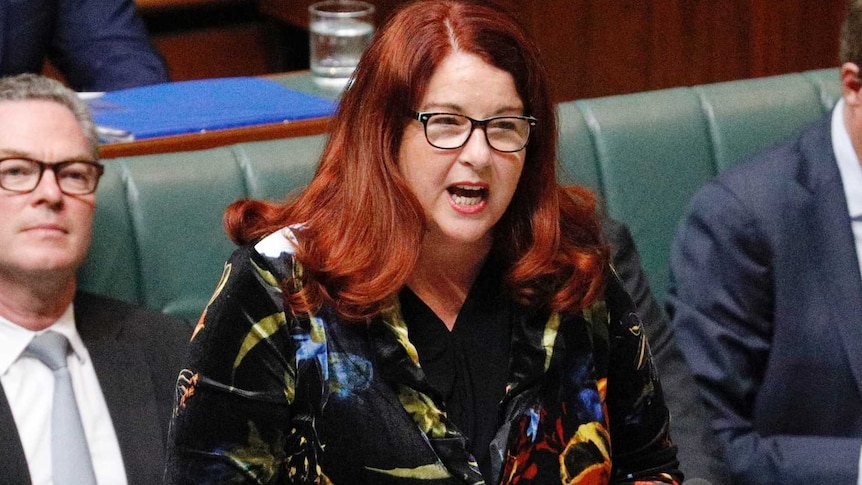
(215, 138)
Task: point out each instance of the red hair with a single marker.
(362, 226)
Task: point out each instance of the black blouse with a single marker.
(468, 365)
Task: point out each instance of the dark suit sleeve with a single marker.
(103, 45)
(697, 451)
(722, 310)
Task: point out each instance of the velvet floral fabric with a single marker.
(273, 397)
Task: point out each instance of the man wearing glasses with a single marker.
(87, 381)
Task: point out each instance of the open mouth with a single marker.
(467, 195)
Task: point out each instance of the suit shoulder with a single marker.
(762, 180)
(776, 160)
(783, 161)
(134, 319)
(88, 300)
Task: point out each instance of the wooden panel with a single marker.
(239, 50)
(295, 12)
(597, 48)
(601, 47)
(797, 35)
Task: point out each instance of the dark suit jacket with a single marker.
(137, 355)
(98, 45)
(767, 308)
(697, 450)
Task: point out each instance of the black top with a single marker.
(468, 365)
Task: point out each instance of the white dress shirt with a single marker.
(29, 387)
(851, 178)
(851, 175)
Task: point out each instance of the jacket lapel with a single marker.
(399, 365)
(833, 252)
(13, 463)
(127, 386)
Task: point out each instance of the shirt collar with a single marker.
(15, 338)
(848, 162)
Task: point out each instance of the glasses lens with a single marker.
(19, 174)
(508, 134)
(504, 133)
(447, 130)
(77, 177)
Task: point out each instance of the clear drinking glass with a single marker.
(340, 31)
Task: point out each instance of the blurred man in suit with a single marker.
(121, 360)
(98, 45)
(766, 298)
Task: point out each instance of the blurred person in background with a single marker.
(97, 45)
(766, 298)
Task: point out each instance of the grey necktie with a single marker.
(70, 454)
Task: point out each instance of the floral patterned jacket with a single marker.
(273, 397)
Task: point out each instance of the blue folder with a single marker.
(203, 105)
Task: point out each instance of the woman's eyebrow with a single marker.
(449, 107)
(456, 108)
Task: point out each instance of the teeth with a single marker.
(467, 194)
(461, 200)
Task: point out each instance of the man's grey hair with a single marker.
(23, 87)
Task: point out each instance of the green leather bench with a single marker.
(158, 237)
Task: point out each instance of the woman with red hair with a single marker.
(433, 307)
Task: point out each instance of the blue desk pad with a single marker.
(203, 105)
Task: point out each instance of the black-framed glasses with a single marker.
(449, 131)
(22, 175)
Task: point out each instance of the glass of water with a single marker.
(340, 32)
